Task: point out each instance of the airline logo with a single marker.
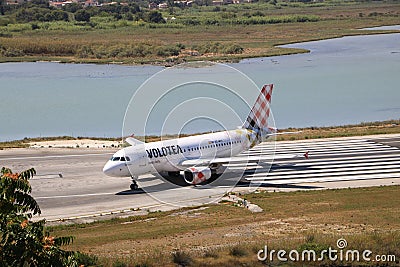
(164, 151)
(258, 117)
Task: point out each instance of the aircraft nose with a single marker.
(108, 168)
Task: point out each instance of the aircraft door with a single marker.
(142, 161)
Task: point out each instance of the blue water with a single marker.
(342, 81)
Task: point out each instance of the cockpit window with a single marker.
(120, 159)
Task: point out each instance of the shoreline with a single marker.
(219, 58)
(362, 129)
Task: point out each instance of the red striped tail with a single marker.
(259, 114)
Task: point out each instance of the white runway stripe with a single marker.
(334, 148)
(285, 173)
(329, 179)
(377, 156)
(336, 161)
(329, 153)
(366, 162)
(364, 146)
(311, 145)
(263, 176)
(325, 161)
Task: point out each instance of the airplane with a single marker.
(199, 156)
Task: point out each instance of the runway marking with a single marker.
(351, 160)
(322, 152)
(321, 145)
(81, 195)
(327, 160)
(349, 163)
(327, 179)
(56, 156)
(317, 173)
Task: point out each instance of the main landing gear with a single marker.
(134, 186)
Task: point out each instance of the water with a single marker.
(342, 81)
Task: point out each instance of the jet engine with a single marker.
(196, 175)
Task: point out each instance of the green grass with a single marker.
(225, 235)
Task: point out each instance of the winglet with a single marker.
(306, 155)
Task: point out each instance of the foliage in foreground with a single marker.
(25, 242)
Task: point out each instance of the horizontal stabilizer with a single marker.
(280, 133)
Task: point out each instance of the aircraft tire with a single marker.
(134, 187)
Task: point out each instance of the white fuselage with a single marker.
(166, 156)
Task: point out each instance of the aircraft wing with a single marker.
(238, 159)
(133, 141)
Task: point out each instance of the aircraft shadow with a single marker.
(131, 192)
(229, 178)
(286, 186)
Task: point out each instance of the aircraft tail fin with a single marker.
(259, 114)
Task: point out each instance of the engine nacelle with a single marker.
(197, 175)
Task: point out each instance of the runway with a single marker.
(70, 182)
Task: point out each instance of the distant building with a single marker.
(183, 3)
(163, 6)
(15, 2)
(57, 4)
(153, 5)
(223, 2)
(91, 3)
(217, 2)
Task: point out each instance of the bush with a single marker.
(190, 22)
(11, 52)
(119, 264)
(85, 259)
(167, 51)
(40, 14)
(216, 47)
(232, 49)
(182, 258)
(154, 17)
(211, 254)
(238, 251)
(82, 15)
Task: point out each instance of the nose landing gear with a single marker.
(134, 186)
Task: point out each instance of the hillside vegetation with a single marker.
(132, 33)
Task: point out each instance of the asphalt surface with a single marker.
(70, 183)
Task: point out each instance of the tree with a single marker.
(72, 7)
(82, 15)
(2, 4)
(25, 242)
(155, 17)
(40, 3)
